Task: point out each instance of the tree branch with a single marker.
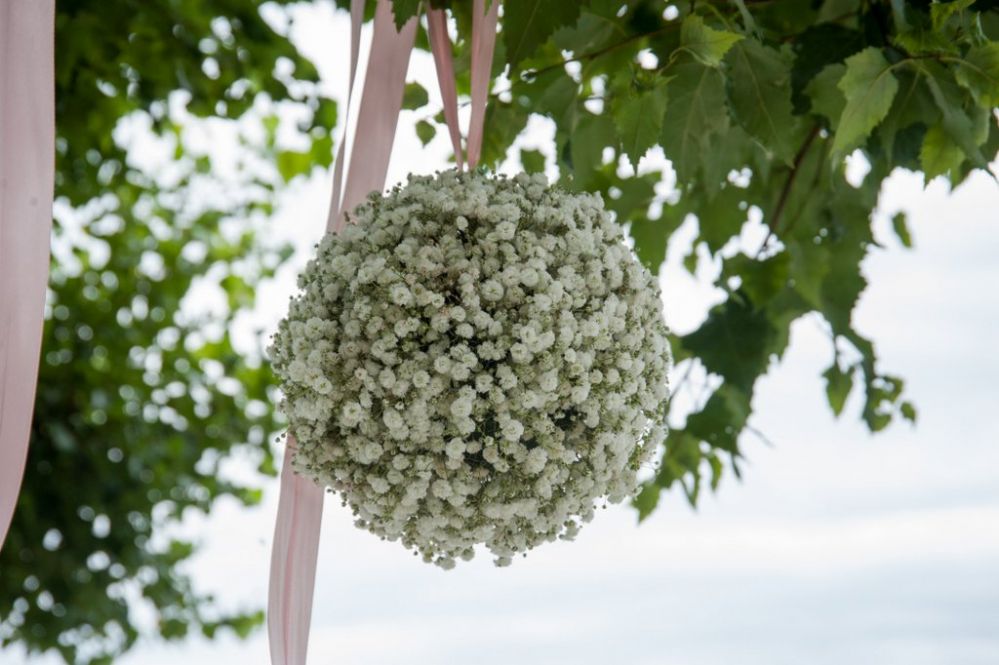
(533, 73)
(785, 192)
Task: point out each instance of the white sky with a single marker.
(838, 547)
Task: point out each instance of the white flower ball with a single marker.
(475, 359)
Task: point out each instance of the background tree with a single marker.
(755, 103)
(141, 392)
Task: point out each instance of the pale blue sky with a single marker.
(838, 547)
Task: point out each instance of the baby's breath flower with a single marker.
(475, 360)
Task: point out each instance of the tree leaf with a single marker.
(291, 163)
(425, 131)
(722, 419)
(527, 24)
(705, 43)
(639, 120)
(647, 500)
(838, 387)
(955, 121)
(869, 87)
(532, 160)
(403, 10)
(939, 154)
(978, 71)
(593, 133)
(941, 12)
(696, 111)
(827, 98)
(735, 342)
(721, 217)
(651, 235)
(901, 228)
(414, 96)
(819, 47)
(759, 94)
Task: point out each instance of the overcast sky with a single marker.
(837, 547)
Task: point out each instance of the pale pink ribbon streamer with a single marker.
(483, 45)
(300, 507)
(440, 46)
(356, 18)
(27, 170)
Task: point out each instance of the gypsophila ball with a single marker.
(475, 359)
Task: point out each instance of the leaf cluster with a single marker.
(143, 394)
(756, 106)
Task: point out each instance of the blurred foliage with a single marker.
(756, 105)
(142, 395)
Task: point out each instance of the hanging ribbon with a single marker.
(482, 47)
(440, 46)
(27, 170)
(300, 506)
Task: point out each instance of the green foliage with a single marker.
(638, 118)
(756, 106)
(527, 24)
(706, 44)
(142, 395)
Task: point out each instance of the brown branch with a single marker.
(774, 223)
(533, 73)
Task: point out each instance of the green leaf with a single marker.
(908, 411)
(651, 235)
(869, 87)
(759, 94)
(735, 342)
(696, 111)
(956, 121)
(838, 387)
(721, 217)
(760, 280)
(939, 154)
(291, 163)
(647, 500)
(593, 133)
(527, 24)
(403, 10)
(639, 120)
(941, 12)
(920, 40)
(705, 43)
(425, 131)
(901, 228)
(912, 112)
(817, 48)
(533, 160)
(827, 98)
(415, 96)
(722, 419)
(978, 71)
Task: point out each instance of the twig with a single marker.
(533, 73)
(774, 223)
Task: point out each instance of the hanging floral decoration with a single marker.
(475, 359)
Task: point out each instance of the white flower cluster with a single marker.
(475, 359)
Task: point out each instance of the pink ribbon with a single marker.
(440, 46)
(483, 46)
(27, 170)
(300, 507)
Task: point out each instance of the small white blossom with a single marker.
(475, 360)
